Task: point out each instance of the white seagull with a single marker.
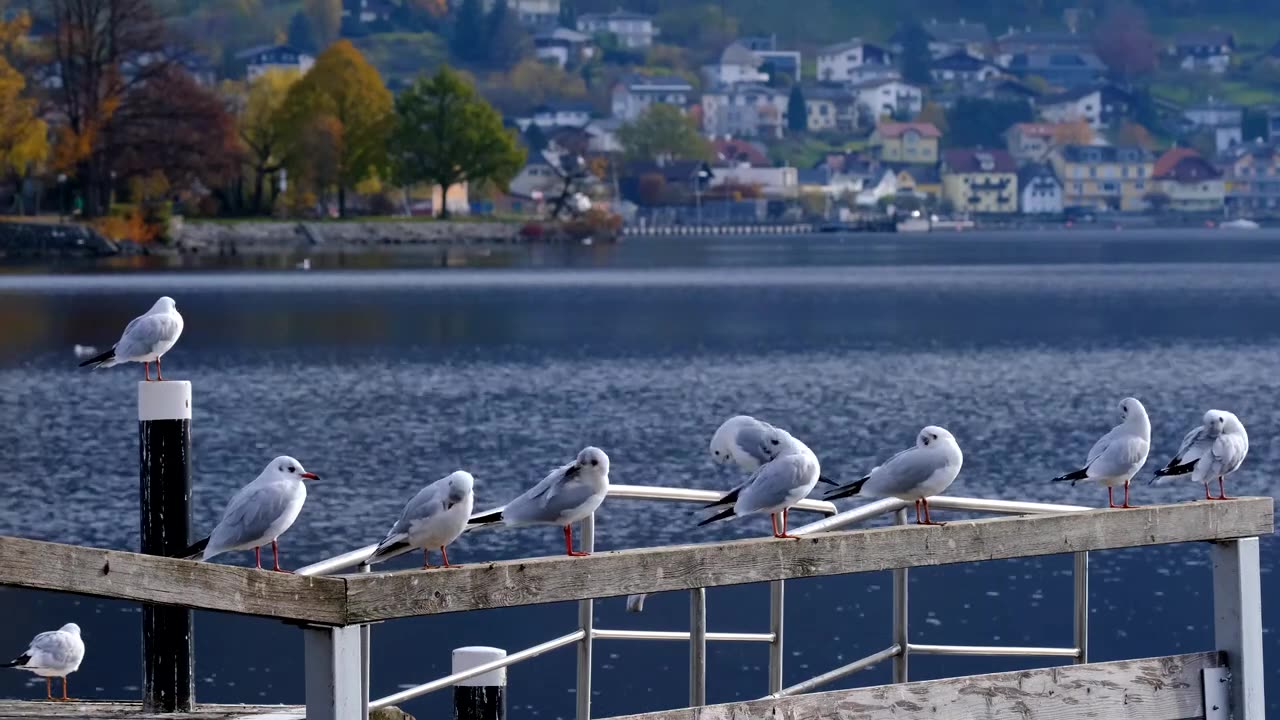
(916, 474)
(1118, 455)
(566, 496)
(776, 485)
(1215, 449)
(52, 654)
(259, 513)
(435, 517)
(145, 339)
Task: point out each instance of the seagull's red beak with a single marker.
(310, 476)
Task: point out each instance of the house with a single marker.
(634, 31)
(962, 69)
(1029, 142)
(737, 65)
(634, 94)
(258, 60)
(537, 178)
(1191, 183)
(828, 107)
(1224, 120)
(364, 12)
(946, 38)
(1039, 191)
(889, 97)
(563, 46)
(741, 152)
(980, 181)
(1064, 68)
(1103, 107)
(567, 114)
(602, 136)
(1252, 179)
(777, 182)
(745, 111)
(923, 181)
(837, 63)
(1204, 50)
(906, 142)
(780, 62)
(1020, 42)
(1104, 177)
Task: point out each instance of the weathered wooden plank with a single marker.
(382, 596)
(16, 710)
(165, 581)
(1165, 688)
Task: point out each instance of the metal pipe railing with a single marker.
(831, 676)
(601, 634)
(586, 621)
(992, 650)
(697, 647)
(901, 607)
(1080, 574)
(776, 596)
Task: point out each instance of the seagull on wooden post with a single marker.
(1118, 455)
(1214, 449)
(146, 338)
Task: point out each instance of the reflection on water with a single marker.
(383, 381)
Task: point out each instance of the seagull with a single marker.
(916, 473)
(775, 486)
(145, 338)
(52, 654)
(1214, 449)
(435, 517)
(1118, 455)
(259, 514)
(748, 443)
(569, 494)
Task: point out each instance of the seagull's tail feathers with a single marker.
(849, 490)
(196, 551)
(20, 661)
(106, 359)
(718, 516)
(1172, 469)
(729, 497)
(487, 517)
(391, 547)
(1074, 476)
(827, 480)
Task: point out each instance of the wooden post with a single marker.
(332, 669)
(483, 697)
(164, 469)
(1237, 622)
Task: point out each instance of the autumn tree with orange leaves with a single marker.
(23, 135)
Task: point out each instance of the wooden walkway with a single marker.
(133, 711)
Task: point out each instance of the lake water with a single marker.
(382, 380)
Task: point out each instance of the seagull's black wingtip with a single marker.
(718, 516)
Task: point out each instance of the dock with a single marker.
(15, 710)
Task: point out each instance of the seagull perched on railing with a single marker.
(1215, 449)
(145, 338)
(777, 485)
(259, 514)
(748, 443)
(52, 654)
(1118, 455)
(917, 473)
(566, 496)
(435, 517)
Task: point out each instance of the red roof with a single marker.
(1168, 161)
(970, 160)
(896, 129)
(1184, 165)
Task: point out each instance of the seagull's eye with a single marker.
(774, 441)
(292, 469)
(595, 462)
(935, 437)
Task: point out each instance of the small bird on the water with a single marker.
(259, 513)
(566, 496)
(145, 339)
(52, 654)
(435, 517)
(1118, 455)
(777, 485)
(1215, 449)
(917, 473)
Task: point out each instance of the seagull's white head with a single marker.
(722, 443)
(1215, 421)
(933, 435)
(1131, 411)
(72, 628)
(591, 461)
(285, 466)
(163, 305)
(460, 485)
(779, 442)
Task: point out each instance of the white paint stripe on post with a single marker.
(167, 400)
(465, 658)
(483, 697)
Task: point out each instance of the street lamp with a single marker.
(702, 175)
(62, 194)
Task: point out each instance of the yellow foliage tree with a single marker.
(260, 130)
(24, 137)
(345, 88)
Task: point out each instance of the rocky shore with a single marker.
(237, 238)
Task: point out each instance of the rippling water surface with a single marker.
(382, 380)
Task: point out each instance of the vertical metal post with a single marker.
(164, 472)
(586, 623)
(1237, 622)
(697, 647)
(900, 608)
(1081, 577)
(366, 648)
(776, 597)
(483, 697)
(332, 670)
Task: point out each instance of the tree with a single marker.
(915, 61)
(534, 138)
(934, 114)
(301, 34)
(1124, 42)
(1132, 134)
(1074, 132)
(23, 135)
(663, 131)
(703, 27)
(261, 131)
(1254, 125)
(797, 112)
(976, 122)
(344, 86)
(531, 83)
(508, 42)
(326, 20)
(445, 134)
(469, 40)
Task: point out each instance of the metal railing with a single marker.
(899, 651)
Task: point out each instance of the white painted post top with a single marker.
(167, 400)
(465, 658)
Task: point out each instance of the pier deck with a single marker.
(24, 710)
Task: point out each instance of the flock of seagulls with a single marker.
(781, 471)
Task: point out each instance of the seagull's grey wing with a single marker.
(771, 484)
(1224, 455)
(249, 515)
(144, 333)
(752, 439)
(542, 502)
(1193, 446)
(53, 649)
(1101, 446)
(904, 472)
(1119, 457)
(429, 501)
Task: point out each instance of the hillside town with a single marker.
(657, 119)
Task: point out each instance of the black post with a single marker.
(164, 467)
(483, 697)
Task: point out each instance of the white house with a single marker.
(837, 63)
(1071, 107)
(563, 46)
(889, 97)
(1039, 190)
(744, 111)
(772, 181)
(1207, 50)
(633, 30)
(737, 65)
(634, 94)
(962, 68)
(261, 59)
(557, 115)
(602, 136)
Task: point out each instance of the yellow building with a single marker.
(1104, 177)
(980, 181)
(915, 142)
(920, 180)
